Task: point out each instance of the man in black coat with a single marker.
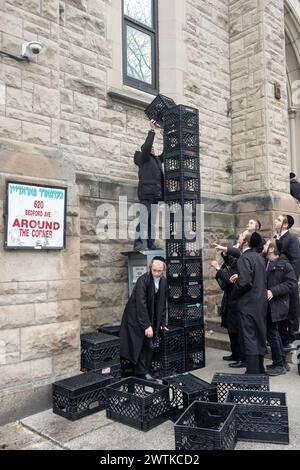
(229, 316)
(281, 281)
(150, 189)
(144, 316)
(294, 186)
(250, 292)
(289, 245)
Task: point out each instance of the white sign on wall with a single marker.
(35, 216)
(138, 271)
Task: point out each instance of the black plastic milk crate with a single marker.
(185, 291)
(260, 416)
(194, 337)
(113, 330)
(186, 388)
(206, 426)
(185, 228)
(164, 365)
(177, 185)
(79, 396)
(181, 139)
(99, 350)
(171, 341)
(186, 248)
(183, 314)
(226, 382)
(181, 161)
(138, 403)
(182, 116)
(158, 107)
(184, 208)
(185, 268)
(114, 371)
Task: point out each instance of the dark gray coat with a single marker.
(250, 292)
(281, 281)
(295, 188)
(151, 176)
(140, 313)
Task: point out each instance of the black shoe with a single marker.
(147, 377)
(237, 365)
(287, 367)
(271, 366)
(228, 358)
(138, 247)
(153, 247)
(278, 370)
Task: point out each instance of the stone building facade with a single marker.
(67, 119)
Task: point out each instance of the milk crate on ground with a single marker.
(79, 396)
(226, 382)
(113, 330)
(99, 350)
(165, 365)
(186, 388)
(138, 403)
(260, 416)
(206, 426)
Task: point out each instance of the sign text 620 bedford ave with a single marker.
(35, 216)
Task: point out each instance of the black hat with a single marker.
(292, 175)
(255, 240)
(159, 258)
(290, 220)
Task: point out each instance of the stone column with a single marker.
(292, 118)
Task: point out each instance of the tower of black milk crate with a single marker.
(183, 228)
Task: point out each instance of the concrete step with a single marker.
(214, 324)
(220, 340)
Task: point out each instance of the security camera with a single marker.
(32, 47)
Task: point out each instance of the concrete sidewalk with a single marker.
(46, 431)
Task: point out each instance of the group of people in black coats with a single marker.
(260, 304)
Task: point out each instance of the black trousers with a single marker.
(235, 346)
(255, 364)
(288, 328)
(143, 365)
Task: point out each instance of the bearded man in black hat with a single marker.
(289, 245)
(144, 316)
(250, 294)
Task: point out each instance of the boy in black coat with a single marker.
(281, 281)
(150, 189)
(143, 317)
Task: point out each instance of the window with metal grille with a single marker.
(140, 44)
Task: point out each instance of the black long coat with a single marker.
(151, 176)
(250, 291)
(228, 307)
(295, 188)
(140, 313)
(289, 245)
(281, 281)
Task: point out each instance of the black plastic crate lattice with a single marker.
(206, 426)
(177, 185)
(184, 291)
(164, 365)
(171, 341)
(180, 162)
(99, 350)
(158, 107)
(137, 403)
(194, 337)
(260, 416)
(180, 249)
(225, 382)
(185, 388)
(79, 396)
(184, 140)
(184, 268)
(195, 359)
(182, 116)
(185, 314)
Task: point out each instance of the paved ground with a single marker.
(47, 431)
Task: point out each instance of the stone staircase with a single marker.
(217, 337)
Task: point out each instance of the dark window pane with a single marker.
(139, 53)
(139, 10)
